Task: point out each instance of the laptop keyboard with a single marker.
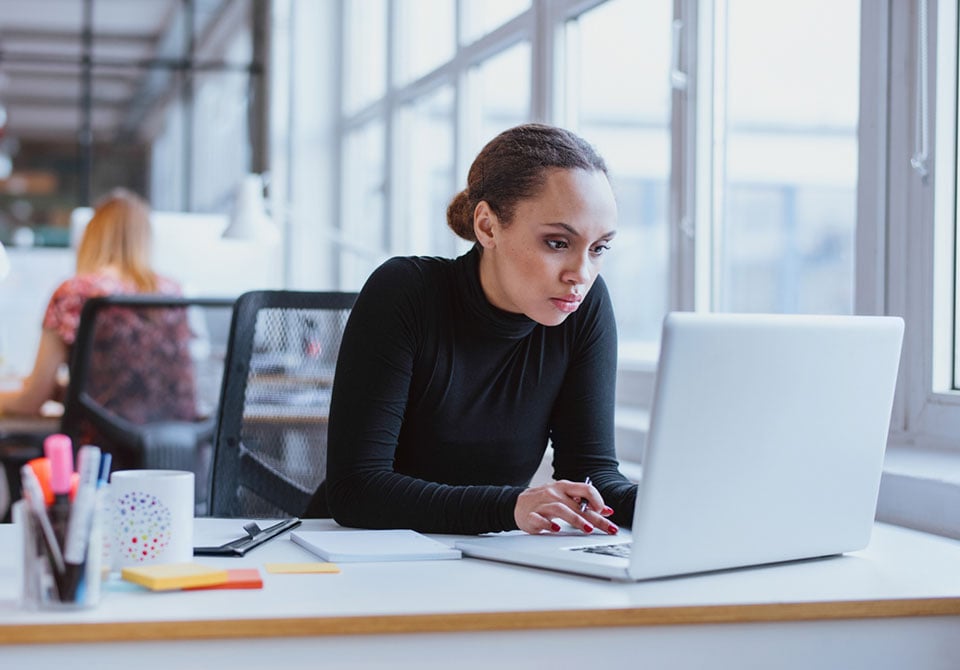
(621, 550)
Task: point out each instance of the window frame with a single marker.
(921, 224)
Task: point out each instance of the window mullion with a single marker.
(870, 239)
(705, 155)
(683, 138)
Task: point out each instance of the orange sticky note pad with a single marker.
(238, 578)
(301, 568)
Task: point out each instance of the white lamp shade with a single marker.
(4, 263)
(249, 219)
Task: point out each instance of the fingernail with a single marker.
(555, 527)
(606, 511)
(613, 530)
(587, 528)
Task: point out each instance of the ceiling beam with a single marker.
(183, 64)
(61, 101)
(99, 38)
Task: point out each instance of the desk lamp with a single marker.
(249, 219)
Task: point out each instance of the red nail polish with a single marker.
(613, 530)
(607, 511)
(587, 528)
(555, 527)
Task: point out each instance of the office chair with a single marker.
(271, 441)
(145, 374)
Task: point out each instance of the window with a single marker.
(926, 242)
(365, 52)
(364, 203)
(425, 179)
(483, 16)
(786, 119)
(771, 145)
(414, 113)
(760, 154)
(728, 103)
(618, 98)
(416, 54)
(498, 95)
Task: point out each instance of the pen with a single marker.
(81, 517)
(34, 494)
(105, 463)
(583, 501)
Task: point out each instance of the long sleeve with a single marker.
(582, 418)
(370, 398)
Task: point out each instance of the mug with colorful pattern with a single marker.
(151, 513)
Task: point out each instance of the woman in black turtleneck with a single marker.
(454, 375)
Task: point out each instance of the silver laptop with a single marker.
(766, 443)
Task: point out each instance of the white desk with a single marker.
(894, 605)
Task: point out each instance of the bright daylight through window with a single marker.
(781, 143)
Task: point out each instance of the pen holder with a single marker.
(43, 584)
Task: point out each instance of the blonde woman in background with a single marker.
(113, 258)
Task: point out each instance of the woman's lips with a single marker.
(567, 304)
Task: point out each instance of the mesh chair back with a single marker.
(145, 374)
(271, 442)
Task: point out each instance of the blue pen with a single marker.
(105, 459)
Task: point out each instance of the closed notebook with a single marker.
(373, 545)
(174, 576)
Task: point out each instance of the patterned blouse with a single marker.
(66, 303)
(140, 367)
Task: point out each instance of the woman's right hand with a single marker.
(539, 507)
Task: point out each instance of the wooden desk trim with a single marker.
(200, 629)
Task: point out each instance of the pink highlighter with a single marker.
(59, 451)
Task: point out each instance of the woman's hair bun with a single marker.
(460, 216)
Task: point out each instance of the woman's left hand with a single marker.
(538, 508)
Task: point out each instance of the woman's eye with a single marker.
(557, 244)
(601, 249)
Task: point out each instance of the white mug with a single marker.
(151, 517)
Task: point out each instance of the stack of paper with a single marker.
(372, 545)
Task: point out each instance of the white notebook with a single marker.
(346, 546)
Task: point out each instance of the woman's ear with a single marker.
(483, 223)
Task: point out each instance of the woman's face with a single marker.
(546, 259)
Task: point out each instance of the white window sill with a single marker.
(921, 489)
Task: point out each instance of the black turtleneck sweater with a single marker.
(443, 404)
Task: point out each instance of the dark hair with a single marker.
(513, 166)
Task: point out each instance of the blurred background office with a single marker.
(767, 155)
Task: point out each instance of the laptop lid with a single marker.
(766, 444)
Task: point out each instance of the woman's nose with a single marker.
(578, 272)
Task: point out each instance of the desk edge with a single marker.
(197, 629)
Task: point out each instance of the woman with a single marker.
(113, 258)
(453, 375)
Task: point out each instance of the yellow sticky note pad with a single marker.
(174, 576)
(301, 568)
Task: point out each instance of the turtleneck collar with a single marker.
(477, 308)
